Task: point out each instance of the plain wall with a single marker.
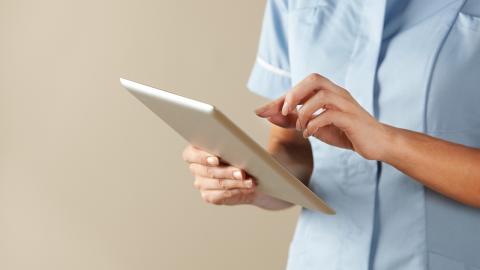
(89, 178)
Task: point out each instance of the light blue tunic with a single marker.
(412, 64)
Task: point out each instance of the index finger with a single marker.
(191, 154)
(272, 108)
(304, 89)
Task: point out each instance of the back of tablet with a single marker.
(207, 128)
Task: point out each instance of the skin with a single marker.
(448, 168)
(216, 181)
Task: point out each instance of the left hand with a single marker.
(343, 123)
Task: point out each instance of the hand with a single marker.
(341, 121)
(219, 183)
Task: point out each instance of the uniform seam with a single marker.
(425, 124)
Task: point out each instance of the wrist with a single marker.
(390, 143)
(296, 157)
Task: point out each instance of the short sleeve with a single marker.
(270, 76)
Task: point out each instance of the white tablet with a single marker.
(206, 127)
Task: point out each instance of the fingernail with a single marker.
(285, 108)
(248, 183)
(212, 161)
(237, 175)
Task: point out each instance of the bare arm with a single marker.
(448, 168)
(292, 150)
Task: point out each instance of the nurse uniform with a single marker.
(412, 64)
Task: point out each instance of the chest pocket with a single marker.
(321, 36)
(453, 105)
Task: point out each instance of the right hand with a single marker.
(218, 182)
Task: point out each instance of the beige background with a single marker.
(89, 179)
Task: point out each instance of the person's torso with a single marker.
(415, 65)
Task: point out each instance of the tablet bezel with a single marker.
(162, 102)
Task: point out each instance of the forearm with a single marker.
(448, 168)
(290, 148)
(451, 169)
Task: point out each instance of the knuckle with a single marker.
(203, 160)
(239, 184)
(185, 153)
(222, 183)
(227, 194)
(205, 197)
(192, 168)
(329, 118)
(330, 114)
(217, 200)
(310, 126)
(225, 185)
(196, 184)
(236, 184)
(235, 193)
(345, 91)
(209, 172)
(314, 77)
(322, 94)
(301, 113)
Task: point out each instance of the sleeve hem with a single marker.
(267, 80)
